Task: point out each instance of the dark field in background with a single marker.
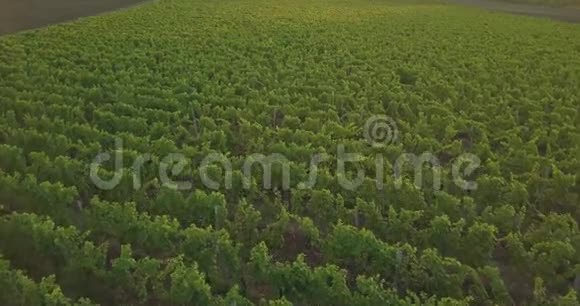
(18, 15)
(567, 14)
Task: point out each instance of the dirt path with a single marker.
(557, 13)
(19, 15)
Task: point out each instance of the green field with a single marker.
(192, 79)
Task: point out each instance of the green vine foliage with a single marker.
(296, 78)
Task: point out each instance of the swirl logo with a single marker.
(380, 131)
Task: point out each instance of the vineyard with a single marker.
(125, 140)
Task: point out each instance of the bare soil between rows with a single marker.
(20, 15)
(567, 14)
